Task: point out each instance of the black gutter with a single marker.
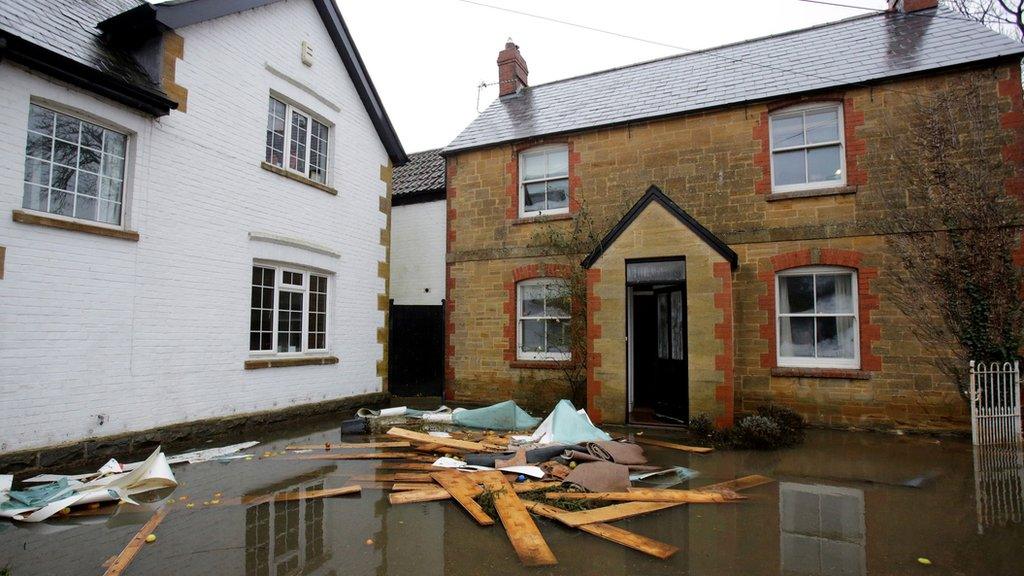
(417, 197)
(73, 72)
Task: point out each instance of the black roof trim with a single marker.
(418, 197)
(181, 13)
(654, 194)
(73, 72)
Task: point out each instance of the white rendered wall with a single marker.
(418, 234)
(156, 332)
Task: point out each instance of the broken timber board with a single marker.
(424, 495)
(348, 445)
(663, 444)
(418, 466)
(522, 532)
(650, 495)
(521, 487)
(630, 509)
(400, 477)
(611, 533)
(464, 488)
(404, 486)
(629, 539)
(438, 449)
(307, 495)
(361, 456)
(428, 439)
(135, 544)
(738, 484)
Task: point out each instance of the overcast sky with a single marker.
(427, 57)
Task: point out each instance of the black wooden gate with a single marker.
(416, 350)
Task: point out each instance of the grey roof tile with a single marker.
(423, 173)
(68, 27)
(851, 51)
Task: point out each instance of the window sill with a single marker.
(298, 178)
(286, 362)
(541, 364)
(813, 193)
(73, 225)
(543, 218)
(838, 373)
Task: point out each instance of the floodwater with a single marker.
(844, 503)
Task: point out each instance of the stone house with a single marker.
(199, 209)
(734, 190)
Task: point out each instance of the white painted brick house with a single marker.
(126, 285)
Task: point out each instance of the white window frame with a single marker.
(804, 362)
(127, 169)
(539, 356)
(802, 110)
(290, 109)
(279, 286)
(523, 155)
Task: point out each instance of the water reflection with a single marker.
(822, 530)
(999, 485)
(287, 537)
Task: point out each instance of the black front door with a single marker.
(672, 398)
(659, 383)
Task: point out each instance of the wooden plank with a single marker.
(349, 445)
(359, 456)
(521, 487)
(400, 477)
(120, 564)
(306, 495)
(651, 495)
(738, 484)
(413, 477)
(613, 512)
(403, 486)
(672, 445)
(630, 509)
(632, 540)
(436, 448)
(428, 439)
(522, 532)
(464, 488)
(417, 466)
(425, 495)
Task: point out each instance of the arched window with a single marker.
(544, 180)
(817, 318)
(542, 319)
(808, 147)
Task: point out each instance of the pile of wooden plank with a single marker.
(411, 478)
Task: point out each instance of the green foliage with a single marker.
(701, 426)
(769, 428)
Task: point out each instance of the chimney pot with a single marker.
(512, 70)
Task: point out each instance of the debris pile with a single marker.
(566, 470)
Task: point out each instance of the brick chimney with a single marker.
(512, 71)
(911, 5)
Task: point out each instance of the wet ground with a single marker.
(845, 504)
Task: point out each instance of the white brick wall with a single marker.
(418, 233)
(156, 332)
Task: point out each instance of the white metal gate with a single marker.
(995, 402)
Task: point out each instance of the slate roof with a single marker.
(68, 28)
(856, 50)
(423, 173)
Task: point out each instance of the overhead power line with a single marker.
(709, 51)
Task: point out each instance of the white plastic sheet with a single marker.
(152, 474)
